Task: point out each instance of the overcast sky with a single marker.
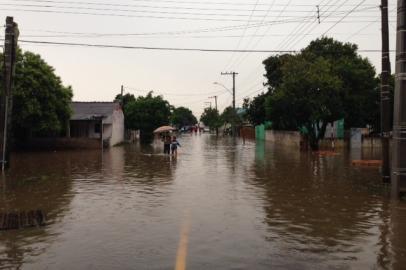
(185, 78)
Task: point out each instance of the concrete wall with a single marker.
(107, 131)
(60, 143)
(117, 135)
(289, 138)
(292, 138)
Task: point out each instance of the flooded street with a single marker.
(219, 205)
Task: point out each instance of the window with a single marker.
(97, 128)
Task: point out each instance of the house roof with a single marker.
(92, 110)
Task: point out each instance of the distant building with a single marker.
(97, 120)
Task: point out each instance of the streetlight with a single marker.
(222, 85)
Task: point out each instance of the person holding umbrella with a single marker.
(166, 138)
(167, 143)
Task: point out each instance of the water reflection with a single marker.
(322, 211)
(249, 206)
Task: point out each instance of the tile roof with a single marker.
(90, 110)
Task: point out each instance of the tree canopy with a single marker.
(146, 114)
(41, 104)
(255, 109)
(182, 116)
(124, 101)
(230, 116)
(211, 118)
(326, 81)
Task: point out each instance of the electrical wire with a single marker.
(345, 16)
(155, 7)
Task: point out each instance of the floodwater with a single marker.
(220, 205)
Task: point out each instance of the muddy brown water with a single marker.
(251, 206)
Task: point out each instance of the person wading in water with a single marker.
(167, 144)
(174, 146)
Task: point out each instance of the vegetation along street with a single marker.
(189, 134)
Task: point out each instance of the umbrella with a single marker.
(164, 129)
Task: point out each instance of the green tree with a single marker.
(358, 77)
(211, 118)
(125, 100)
(182, 116)
(326, 81)
(41, 104)
(309, 96)
(146, 114)
(230, 116)
(255, 109)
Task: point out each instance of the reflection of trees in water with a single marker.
(35, 181)
(397, 235)
(231, 151)
(314, 204)
(45, 180)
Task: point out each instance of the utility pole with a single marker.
(208, 103)
(399, 123)
(385, 98)
(215, 100)
(6, 100)
(233, 122)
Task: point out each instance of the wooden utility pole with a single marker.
(399, 124)
(6, 100)
(385, 97)
(215, 100)
(233, 74)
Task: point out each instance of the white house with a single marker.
(97, 120)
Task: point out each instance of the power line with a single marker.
(139, 16)
(243, 34)
(135, 10)
(156, 7)
(173, 94)
(183, 36)
(301, 27)
(147, 48)
(211, 18)
(324, 18)
(345, 16)
(209, 3)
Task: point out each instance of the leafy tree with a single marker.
(146, 114)
(125, 100)
(211, 118)
(324, 82)
(273, 67)
(255, 109)
(230, 116)
(182, 116)
(309, 96)
(41, 104)
(358, 90)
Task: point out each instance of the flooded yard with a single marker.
(220, 204)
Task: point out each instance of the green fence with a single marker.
(260, 132)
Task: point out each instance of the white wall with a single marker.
(290, 138)
(117, 127)
(107, 131)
